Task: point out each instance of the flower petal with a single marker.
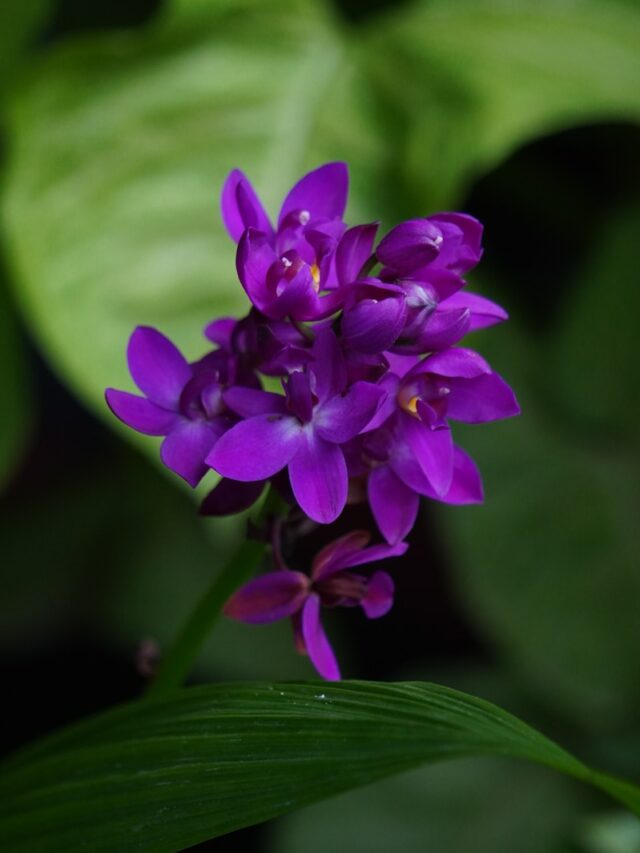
(220, 331)
(484, 312)
(373, 325)
(139, 413)
(157, 366)
(248, 402)
(328, 368)
(409, 246)
(268, 598)
(322, 193)
(346, 415)
(462, 237)
(393, 504)
(484, 398)
(354, 250)
(316, 642)
(454, 362)
(318, 475)
(254, 258)
(323, 562)
(443, 329)
(257, 448)
(231, 496)
(433, 449)
(241, 207)
(372, 555)
(186, 447)
(466, 485)
(379, 598)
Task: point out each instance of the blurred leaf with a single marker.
(163, 775)
(17, 415)
(120, 147)
(457, 808)
(472, 80)
(548, 565)
(595, 361)
(616, 832)
(19, 20)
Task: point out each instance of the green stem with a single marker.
(176, 664)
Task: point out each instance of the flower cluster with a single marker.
(363, 337)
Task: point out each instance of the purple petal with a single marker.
(248, 402)
(484, 312)
(345, 416)
(379, 598)
(354, 250)
(241, 207)
(485, 398)
(409, 246)
(373, 325)
(254, 259)
(318, 475)
(268, 598)
(257, 448)
(394, 505)
(322, 193)
(372, 555)
(461, 246)
(433, 450)
(325, 559)
(442, 330)
(186, 447)
(292, 290)
(466, 486)
(158, 367)
(230, 497)
(220, 331)
(328, 368)
(316, 642)
(139, 413)
(299, 396)
(455, 362)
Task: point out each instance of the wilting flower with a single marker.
(182, 401)
(288, 593)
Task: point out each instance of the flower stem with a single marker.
(179, 659)
(181, 656)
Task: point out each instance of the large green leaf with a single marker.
(163, 775)
(16, 421)
(120, 145)
(472, 80)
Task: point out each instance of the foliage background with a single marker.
(119, 124)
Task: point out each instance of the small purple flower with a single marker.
(289, 270)
(455, 384)
(302, 430)
(395, 482)
(287, 593)
(182, 401)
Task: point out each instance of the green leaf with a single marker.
(163, 775)
(120, 146)
(470, 81)
(547, 566)
(594, 353)
(16, 421)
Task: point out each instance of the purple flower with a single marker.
(289, 270)
(288, 593)
(395, 482)
(446, 241)
(302, 430)
(182, 401)
(455, 384)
